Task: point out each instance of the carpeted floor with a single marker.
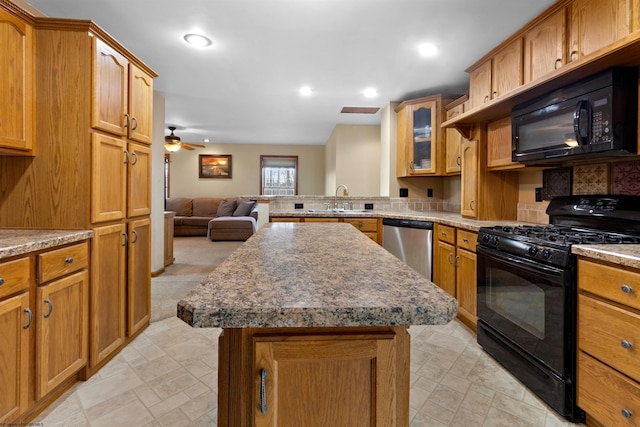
(195, 258)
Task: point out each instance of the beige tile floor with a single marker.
(168, 377)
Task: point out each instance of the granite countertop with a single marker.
(314, 275)
(626, 255)
(21, 241)
(447, 218)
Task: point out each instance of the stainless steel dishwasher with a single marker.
(411, 241)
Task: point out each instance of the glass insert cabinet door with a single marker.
(423, 148)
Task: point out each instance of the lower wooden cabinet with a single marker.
(371, 227)
(139, 276)
(454, 269)
(314, 376)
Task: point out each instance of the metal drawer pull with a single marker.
(626, 344)
(1, 281)
(28, 311)
(263, 392)
(69, 260)
(626, 413)
(464, 239)
(48, 302)
(626, 289)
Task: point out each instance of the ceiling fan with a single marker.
(172, 142)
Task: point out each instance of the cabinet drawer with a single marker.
(604, 393)
(467, 240)
(60, 262)
(363, 224)
(604, 331)
(15, 276)
(614, 283)
(283, 219)
(446, 233)
(321, 219)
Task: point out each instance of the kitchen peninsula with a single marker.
(315, 319)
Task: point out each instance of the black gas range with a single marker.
(527, 290)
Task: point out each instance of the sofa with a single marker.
(216, 218)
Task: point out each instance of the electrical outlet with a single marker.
(404, 192)
(429, 192)
(299, 205)
(368, 206)
(538, 194)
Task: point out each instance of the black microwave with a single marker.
(595, 117)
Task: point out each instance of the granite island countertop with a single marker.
(15, 242)
(314, 275)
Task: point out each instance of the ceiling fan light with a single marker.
(197, 40)
(171, 147)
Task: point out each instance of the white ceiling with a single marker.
(244, 88)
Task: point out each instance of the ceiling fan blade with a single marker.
(186, 147)
(193, 145)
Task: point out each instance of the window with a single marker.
(279, 175)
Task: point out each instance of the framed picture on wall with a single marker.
(214, 165)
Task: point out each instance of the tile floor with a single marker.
(168, 377)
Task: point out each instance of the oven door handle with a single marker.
(543, 270)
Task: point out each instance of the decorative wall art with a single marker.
(215, 165)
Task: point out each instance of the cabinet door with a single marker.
(444, 273)
(140, 105)
(139, 180)
(499, 145)
(15, 321)
(403, 141)
(110, 89)
(139, 275)
(109, 159)
(108, 292)
(17, 104)
(466, 285)
(423, 148)
(61, 330)
(506, 72)
(326, 381)
(469, 190)
(598, 23)
(544, 44)
(480, 85)
(453, 140)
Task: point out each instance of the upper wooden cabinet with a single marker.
(122, 95)
(453, 138)
(17, 85)
(499, 146)
(420, 142)
(497, 75)
(469, 187)
(544, 46)
(595, 24)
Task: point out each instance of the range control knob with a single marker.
(485, 238)
(494, 240)
(533, 251)
(546, 254)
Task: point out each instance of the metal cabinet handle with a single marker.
(458, 161)
(464, 239)
(263, 392)
(126, 239)
(626, 289)
(134, 158)
(494, 94)
(573, 55)
(449, 258)
(558, 61)
(471, 204)
(626, 344)
(486, 99)
(126, 157)
(411, 166)
(1, 281)
(127, 120)
(135, 237)
(69, 260)
(28, 311)
(457, 264)
(444, 233)
(626, 413)
(135, 123)
(48, 302)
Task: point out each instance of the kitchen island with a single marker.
(315, 321)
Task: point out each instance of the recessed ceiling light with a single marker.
(305, 91)
(428, 49)
(206, 140)
(197, 40)
(370, 92)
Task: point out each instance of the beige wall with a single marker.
(355, 151)
(245, 180)
(388, 137)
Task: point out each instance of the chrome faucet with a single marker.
(344, 193)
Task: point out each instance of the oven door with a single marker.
(527, 303)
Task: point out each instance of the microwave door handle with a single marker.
(581, 108)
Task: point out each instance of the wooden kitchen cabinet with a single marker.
(139, 276)
(138, 180)
(371, 227)
(608, 382)
(109, 161)
(122, 95)
(595, 24)
(17, 85)
(544, 46)
(469, 189)
(420, 141)
(499, 146)
(454, 271)
(453, 138)
(314, 376)
(497, 75)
